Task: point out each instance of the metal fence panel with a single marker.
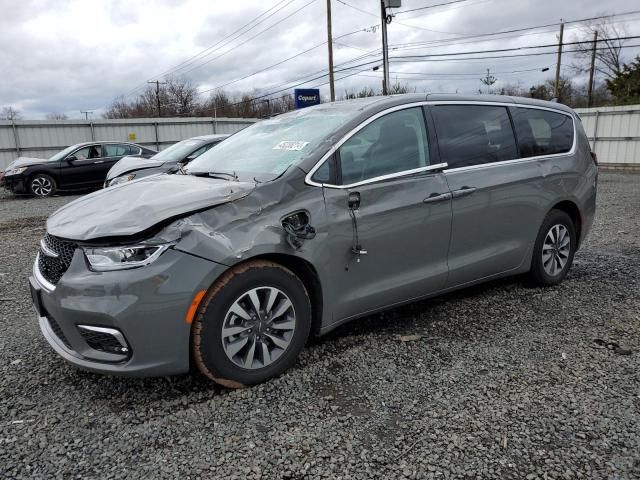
(43, 138)
(614, 134)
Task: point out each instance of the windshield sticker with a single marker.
(290, 145)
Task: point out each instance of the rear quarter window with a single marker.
(543, 132)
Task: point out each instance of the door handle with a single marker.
(463, 192)
(437, 197)
(99, 161)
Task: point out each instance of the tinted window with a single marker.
(131, 150)
(474, 134)
(393, 143)
(541, 132)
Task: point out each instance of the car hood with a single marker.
(130, 164)
(26, 162)
(136, 206)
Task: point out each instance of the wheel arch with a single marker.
(571, 209)
(48, 173)
(307, 274)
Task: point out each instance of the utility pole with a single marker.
(157, 82)
(591, 71)
(385, 49)
(86, 113)
(332, 88)
(556, 85)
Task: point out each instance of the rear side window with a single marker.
(542, 132)
(474, 134)
(113, 150)
(390, 144)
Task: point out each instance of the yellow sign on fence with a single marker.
(132, 136)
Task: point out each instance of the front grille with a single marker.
(55, 328)
(52, 268)
(103, 342)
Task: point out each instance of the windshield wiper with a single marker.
(223, 175)
(218, 175)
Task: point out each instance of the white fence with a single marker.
(614, 134)
(43, 138)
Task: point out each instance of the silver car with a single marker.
(305, 221)
(174, 157)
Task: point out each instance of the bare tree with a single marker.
(398, 88)
(516, 90)
(9, 113)
(609, 60)
(365, 92)
(56, 116)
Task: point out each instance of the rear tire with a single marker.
(42, 185)
(554, 249)
(252, 324)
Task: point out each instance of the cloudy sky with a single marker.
(67, 56)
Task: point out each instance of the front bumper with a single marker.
(146, 305)
(14, 183)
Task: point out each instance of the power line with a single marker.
(250, 38)
(235, 34)
(528, 47)
(203, 52)
(401, 12)
(453, 41)
(305, 81)
(417, 57)
(269, 67)
(399, 23)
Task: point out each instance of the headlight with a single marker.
(121, 258)
(122, 179)
(15, 171)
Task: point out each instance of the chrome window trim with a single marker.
(439, 166)
(350, 134)
(44, 283)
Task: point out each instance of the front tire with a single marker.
(554, 249)
(252, 324)
(42, 185)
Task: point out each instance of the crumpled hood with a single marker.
(136, 206)
(130, 164)
(26, 162)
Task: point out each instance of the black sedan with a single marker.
(80, 166)
(178, 154)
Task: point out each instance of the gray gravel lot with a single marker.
(504, 382)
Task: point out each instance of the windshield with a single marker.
(178, 151)
(60, 155)
(267, 148)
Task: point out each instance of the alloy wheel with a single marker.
(258, 327)
(41, 186)
(556, 249)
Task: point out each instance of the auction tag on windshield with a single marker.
(290, 145)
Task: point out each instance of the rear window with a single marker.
(474, 134)
(542, 132)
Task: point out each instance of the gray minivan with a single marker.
(302, 222)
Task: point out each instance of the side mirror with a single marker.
(71, 158)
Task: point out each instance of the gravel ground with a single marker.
(497, 381)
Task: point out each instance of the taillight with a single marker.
(594, 157)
